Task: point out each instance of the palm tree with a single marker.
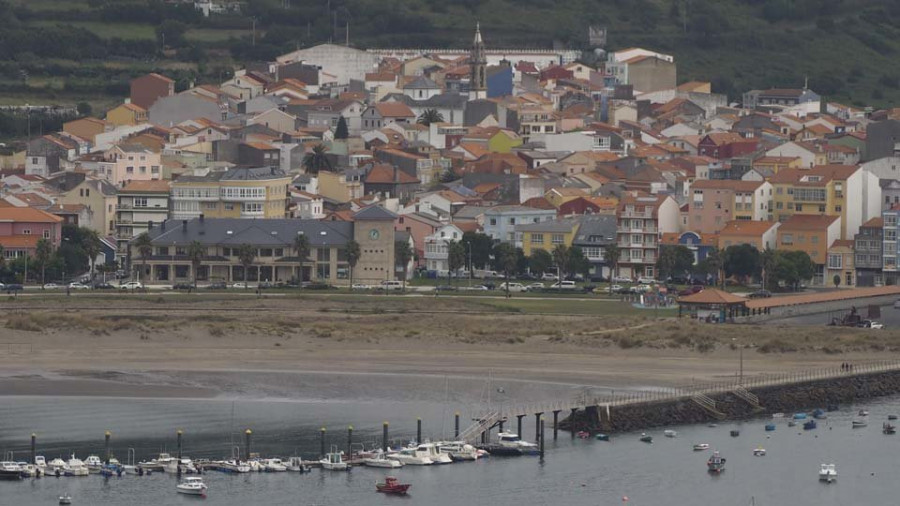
(612, 252)
(456, 258)
(506, 258)
(301, 248)
(42, 255)
(353, 253)
(430, 116)
(316, 160)
(246, 256)
(715, 262)
(767, 261)
(144, 246)
(195, 253)
(561, 256)
(402, 256)
(91, 245)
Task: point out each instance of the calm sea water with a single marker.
(574, 472)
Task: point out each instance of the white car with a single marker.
(513, 287)
(240, 284)
(78, 286)
(131, 285)
(359, 286)
(642, 288)
(477, 288)
(621, 279)
(613, 289)
(51, 286)
(646, 281)
(549, 276)
(535, 287)
(563, 285)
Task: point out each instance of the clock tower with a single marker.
(373, 229)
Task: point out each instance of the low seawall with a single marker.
(787, 398)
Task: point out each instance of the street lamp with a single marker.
(741, 361)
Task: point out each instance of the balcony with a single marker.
(252, 214)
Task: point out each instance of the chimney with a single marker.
(184, 225)
(201, 217)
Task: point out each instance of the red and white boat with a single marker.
(392, 486)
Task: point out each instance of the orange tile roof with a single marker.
(475, 150)
(20, 241)
(876, 222)
(712, 296)
(156, 186)
(394, 110)
(27, 214)
(807, 222)
(825, 173)
(727, 184)
(744, 227)
(260, 145)
(388, 174)
(837, 295)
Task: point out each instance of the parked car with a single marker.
(359, 286)
(535, 287)
(132, 285)
(564, 285)
(514, 287)
(549, 276)
(761, 294)
(240, 284)
(870, 324)
(642, 288)
(50, 286)
(218, 285)
(646, 280)
(609, 289)
(477, 288)
(391, 285)
(75, 285)
(445, 288)
(182, 286)
(13, 288)
(103, 286)
(621, 279)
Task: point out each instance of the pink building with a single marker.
(133, 162)
(419, 227)
(22, 227)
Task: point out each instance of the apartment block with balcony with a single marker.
(140, 204)
(812, 234)
(547, 235)
(716, 202)
(868, 249)
(500, 221)
(852, 193)
(260, 192)
(130, 162)
(641, 221)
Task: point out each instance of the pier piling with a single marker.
(537, 427)
(483, 437)
(555, 423)
(384, 436)
(519, 424)
(500, 425)
(349, 441)
(418, 430)
(33, 447)
(247, 434)
(178, 434)
(106, 446)
(542, 439)
(322, 441)
(456, 425)
(572, 425)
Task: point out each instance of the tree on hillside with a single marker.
(144, 247)
(341, 131)
(317, 160)
(540, 261)
(430, 116)
(246, 256)
(42, 255)
(674, 260)
(479, 246)
(302, 250)
(505, 260)
(456, 258)
(561, 255)
(403, 254)
(353, 252)
(170, 33)
(742, 261)
(195, 253)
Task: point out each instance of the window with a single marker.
(265, 252)
(129, 170)
(27, 231)
(593, 252)
(229, 206)
(179, 250)
(210, 205)
(838, 209)
(323, 271)
(890, 234)
(140, 202)
(512, 221)
(226, 252)
(162, 250)
(814, 239)
(537, 238)
(558, 239)
(787, 239)
(279, 252)
(323, 255)
(143, 169)
(494, 221)
(46, 234)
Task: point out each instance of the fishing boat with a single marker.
(819, 414)
(716, 463)
(892, 417)
(770, 427)
(645, 438)
(434, 453)
(56, 466)
(670, 433)
(94, 464)
(334, 461)
(602, 437)
(857, 424)
(192, 485)
(827, 473)
(65, 499)
(234, 466)
(512, 440)
(274, 466)
(701, 447)
(799, 416)
(411, 457)
(887, 428)
(41, 463)
(458, 450)
(392, 486)
(10, 471)
(296, 465)
(75, 467)
(759, 451)
(809, 425)
(29, 470)
(379, 460)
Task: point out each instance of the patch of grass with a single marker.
(23, 322)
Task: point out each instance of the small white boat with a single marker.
(29, 470)
(701, 447)
(379, 460)
(192, 485)
(459, 450)
(411, 457)
(435, 454)
(235, 466)
(55, 465)
(827, 473)
(41, 463)
(295, 465)
(670, 433)
(778, 415)
(75, 467)
(759, 451)
(512, 440)
(10, 471)
(274, 466)
(863, 412)
(185, 464)
(334, 461)
(65, 499)
(94, 464)
(859, 424)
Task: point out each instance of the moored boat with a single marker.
(735, 433)
(192, 485)
(716, 463)
(770, 427)
(379, 460)
(334, 461)
(887, 428)
(827, 473)
(892, 417)
(10, 471)
(759, 451)
(411, 457)
(645, 438)
(65, 499)
(75, 467)
(94, 464)
(670, 433)
(863, 412)
(809, 425)
(458, 450)
(392, 486)
(296, 465)
(700, 447)
(274, 466)
(434, 453)
(234, 466)
(602, 437)
(819, 413)
(857, 424)
(512, 440)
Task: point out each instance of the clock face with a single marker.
(373, 234)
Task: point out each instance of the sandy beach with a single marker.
(113, 346)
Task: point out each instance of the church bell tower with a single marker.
(478, 64)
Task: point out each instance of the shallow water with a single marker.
(574, 472)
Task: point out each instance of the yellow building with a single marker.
(340, 186)
(775, 164)
(127, 114)
(559, 196)
(236, 193)
(822, 190)
(547, 235)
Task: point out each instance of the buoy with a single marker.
(624, 498)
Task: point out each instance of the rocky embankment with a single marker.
(791, 398)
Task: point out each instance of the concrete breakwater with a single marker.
(734, 405)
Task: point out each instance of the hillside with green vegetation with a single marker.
(70, 51)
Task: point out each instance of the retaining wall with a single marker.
(818, 307)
